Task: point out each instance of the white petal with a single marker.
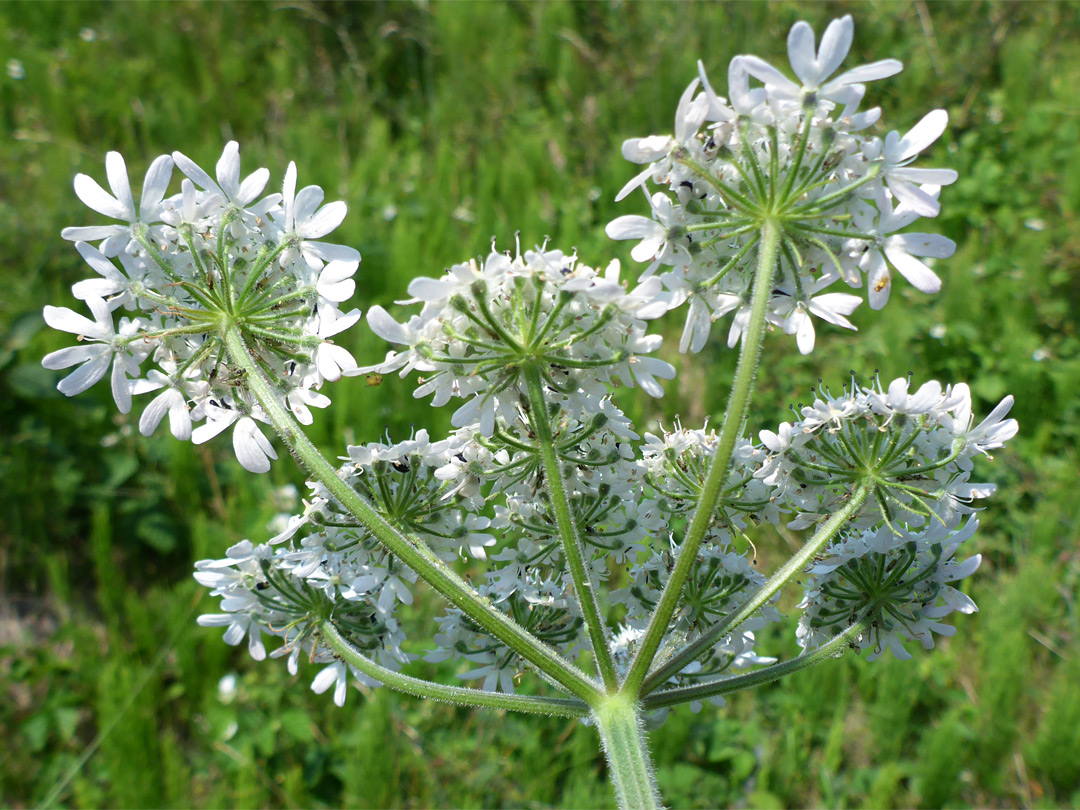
(832, 307)
(194, 172)
(835, 44)
(878, 283)
(91, 233)
(328, 218)
(68, 320)
(288, 196)
(800, 45)
(94, 288)
(916, 272)
(154, 413)
(307, 201)
(385, 326)
(331, 253)
(933, 177)
(325, 678)
(964, 570)
(913, 198)
(804, 337)
(339, 324)
(923, 134)
(72, 356)
(928, 395)
(631, 226)
(252, 186)
(85, 375)
(121, 388)
(154, 186)
(116, 172)
(212, 427)
(333, 360)
(253, 449)
(882, 69)
(429, 289)
(646, 150)
(228, 168)
(98, 199)
(767, 74)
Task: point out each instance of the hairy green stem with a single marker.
(820, 540)
(559, 707)
(573, 548)
(738, 402)
(618, 719)
(411, 552)
(834, 648)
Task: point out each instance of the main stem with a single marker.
(572, 546)
(738, 402)
(618, 719)
(415, 554)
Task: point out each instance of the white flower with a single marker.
(111, 281)
(900, 249)
(331, 360)
(814, 68)
(95, 357)
(228, 185)
(659, 236)
(792, 312)
(173, 401)
(304, 220)
(238, 626)
(991, 433)
(283, 299)
(120, 204)
(902, 180)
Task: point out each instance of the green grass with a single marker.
(442, 125)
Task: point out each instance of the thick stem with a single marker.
(820, 540)
(834, 648)
(573, 548)
(738, 402)
(559, 707)
(412, 553)
(618, 719)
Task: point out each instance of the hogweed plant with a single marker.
(616, 567)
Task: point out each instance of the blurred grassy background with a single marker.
(442, 125)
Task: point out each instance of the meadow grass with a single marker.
(442, 125)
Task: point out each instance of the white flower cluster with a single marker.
(186, 267)
(289, 591)
(528, 576)
(897, 584)
(796, 153)
(484, 323)
(892, 564)
(916, 447)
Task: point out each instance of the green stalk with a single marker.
(821, 539)
(414, 554)
(738, 402)
(558, 707)
(573, 548)
(834, 648)
(618, 719)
